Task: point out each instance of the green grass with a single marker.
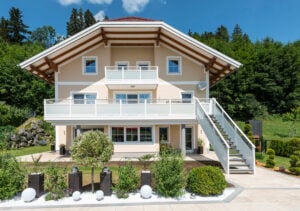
(279, 161)
(29, 150)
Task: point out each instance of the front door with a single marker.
(189, 139)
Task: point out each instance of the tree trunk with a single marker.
(92, 180)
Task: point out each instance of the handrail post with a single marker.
(95, 107)
(145, 106)
(70, 107)
(170, 107)
(121, 102)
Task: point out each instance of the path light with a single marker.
(146, 192)
(99, 195)
(76, 196)
(28, 195)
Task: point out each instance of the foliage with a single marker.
(128, 180)
(91, 148)
(44, 35)
(11, 176)
(295, 162)
(206, 181)
(13, 116)
(248, 131)
(285, 148)
(169, 174)
(55, 182)
(293, 116)
(79, 21)
(5, 132)
(270, 163)
(145, 159)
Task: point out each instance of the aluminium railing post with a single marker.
(170, 107)
(70, 107)
(121, 102)
(145, 107)
(123, 73)
(95, 107)
(45, 112)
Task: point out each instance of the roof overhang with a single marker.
(130, 33)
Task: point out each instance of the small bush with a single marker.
(285, 148)
(270, 163)
(127, 182)
(206, 181)
(13, 116)
(11, 176)
(55, 183)
(169, 174)
(295, 163)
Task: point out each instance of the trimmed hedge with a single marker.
(285, 148)
(206, 181)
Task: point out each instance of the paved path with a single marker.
(266, 190)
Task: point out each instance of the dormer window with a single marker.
(89, 65)
(174, 65)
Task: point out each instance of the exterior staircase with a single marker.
(235, 151)
(237, 164)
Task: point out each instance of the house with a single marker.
(141, 82)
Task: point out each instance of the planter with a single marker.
(52, 147)
(145, 178)
(75, 182)
(200, 150)
(62, 150)
(36, 181)
(106, 181)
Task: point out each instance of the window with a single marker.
(132, 98)
(174, 65)
(89, 65)
(117, 134)
(145, 134)
(122, 65)
(186, 97)
(84, 98)
(131, 134)
(163, 134)
(143, 65)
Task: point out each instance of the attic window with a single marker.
(174, 65)
(89, 65)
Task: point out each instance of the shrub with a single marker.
(285, 148)
(11, 115)
(55, 183)
(295, 163)
(206, 181)
(11, 176)
(128, 180)
(169, 174)
(270, 163)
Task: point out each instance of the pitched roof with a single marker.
(129, 31)
(130, 18)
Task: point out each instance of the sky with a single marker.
(277, 19)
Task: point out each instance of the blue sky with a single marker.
(278, 19)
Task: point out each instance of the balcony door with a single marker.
(189, 139)
(132, 98)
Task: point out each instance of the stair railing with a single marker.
(214, 136)
(236, 135)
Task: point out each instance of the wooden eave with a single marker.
(45, 64)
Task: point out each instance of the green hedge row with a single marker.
(285, 148)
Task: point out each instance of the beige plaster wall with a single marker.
(132, 55)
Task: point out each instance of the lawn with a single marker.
(279, 161)
(29, 150)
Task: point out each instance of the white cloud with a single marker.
(100, 1)
(68, 2)
(100, 15)
(134, 6)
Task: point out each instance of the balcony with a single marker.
(140, 77)
(109, 111)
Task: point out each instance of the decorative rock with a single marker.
(76, 196)
(99, 195)
(146, 192)
(28, 195)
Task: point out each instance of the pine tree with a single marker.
(17, 29)
(88, 18)
(80, 17)
(4, 33)
(222, 33)
(72, 24)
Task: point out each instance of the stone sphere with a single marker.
(28, 195)
(146, 192)
(76, 196)
(99, 195)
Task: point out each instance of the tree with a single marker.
(91, 149)
(88, 18)
(293, 117)
(17, 29)
(72, 24)
(44, 35)
(222, 33)
(4, 33)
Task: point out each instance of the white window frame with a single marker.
(117, 63)
(139, 138)
(84, 58)
(148, 63)
(179, 64)
(83, 93)
(187, 92)
(132, 92)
